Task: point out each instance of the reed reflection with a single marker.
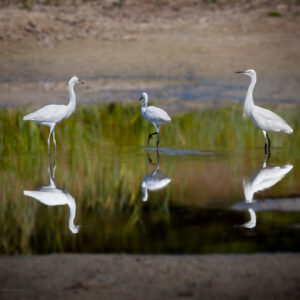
(154, 181)
(50, 195)
(263, 179)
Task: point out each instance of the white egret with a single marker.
(50, 195)
(154, 115)
(263, 118)
(154, 181)
(263, 179)
(52, 114)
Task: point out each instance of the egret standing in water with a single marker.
(52, 114)
(154, 115)
(263, 118)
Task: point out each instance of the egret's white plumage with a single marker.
(263, 118)
(263, 179)
(154, 181)
(50, 195)
(154, 115)
(52, 114)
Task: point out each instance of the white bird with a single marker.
(263, 179)
(50, 195)
(263, 118)
(52, 114)
(154, 115)
(154, 181)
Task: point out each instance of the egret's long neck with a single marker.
(249, 98)
(144, 106)
(248, 191)
(252, 222)
(72, 206)
(72, 101)
(144, 192)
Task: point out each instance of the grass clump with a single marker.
(274, 14)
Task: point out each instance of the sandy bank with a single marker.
(259, 276)
(120, 51)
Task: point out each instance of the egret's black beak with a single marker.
(240, 72)
(141, 98)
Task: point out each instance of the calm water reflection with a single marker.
(154, 181)
(263, 179)
(50, 195)
(193, 209)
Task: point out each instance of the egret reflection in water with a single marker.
(263, 179)
(50, 195)
(154, 181)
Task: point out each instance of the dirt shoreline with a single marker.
(71, 276)
(143, 47)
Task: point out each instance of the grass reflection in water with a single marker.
(102, 159)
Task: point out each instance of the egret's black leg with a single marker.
(266, 148)
(150, 159)
(269, 142)
(150, 136)
(269, 155)
(157, 140)
(157, 156)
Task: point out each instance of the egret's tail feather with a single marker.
(27, 117)
(29, 193)
(288, 129)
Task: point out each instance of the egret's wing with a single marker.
(267, 114)
(49, 114)
(267, 177)
(51, 198)
(157, 115)
(269, 121)
(156, 181)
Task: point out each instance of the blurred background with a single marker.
(179, 50)
(216, 191)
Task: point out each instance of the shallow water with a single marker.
(209, 189)
(138, 200)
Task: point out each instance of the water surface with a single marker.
(107, 191)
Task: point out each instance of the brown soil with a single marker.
(151, 45)
(259, 276)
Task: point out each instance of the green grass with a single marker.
(274, 14)
(101, 162)
(122, 125)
